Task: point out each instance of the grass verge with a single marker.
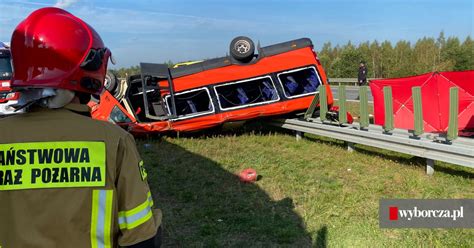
(311, 193)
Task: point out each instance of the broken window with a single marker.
(118, 116)
(246, 93)
(299, 82)
(191, 103)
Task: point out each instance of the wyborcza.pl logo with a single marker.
(417, 213)
(410, 214)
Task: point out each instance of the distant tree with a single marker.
(375, 59)
(326, 56)
(134, 70)
(347, 64)
(440, 43)
(453, 53)
(403, 60)
(125, 72)
(468, 49)
(169, 63)
(386, 62)
(364, 49)
(425, 53)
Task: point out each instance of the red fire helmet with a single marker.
(52, 48)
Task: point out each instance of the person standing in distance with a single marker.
(67, 180)
(362, 77)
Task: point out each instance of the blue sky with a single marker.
(157, 31)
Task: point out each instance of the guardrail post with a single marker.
(429, 166)
(342, 104)
(364, 107)
(388, 102)
(453, 113)
(350, 146)
(323, 103)
(299, 135)
(312, 107)
(418, 111)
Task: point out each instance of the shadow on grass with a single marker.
(257, 126)
(454, 171)
(206, 206)
(322, 237)
(325, 141)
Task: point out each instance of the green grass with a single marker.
(354, 109)
(311, 192)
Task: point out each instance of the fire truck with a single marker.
(7, 96)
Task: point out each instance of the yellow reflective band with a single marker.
(101, 218)
(108, 217)
(136, 216)
(60, 164)
(150, 199)
(94, 217)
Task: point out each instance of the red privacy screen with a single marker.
(435, 99)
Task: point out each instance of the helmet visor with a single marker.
(95, 59)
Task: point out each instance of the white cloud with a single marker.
(129, 21)
(64, 3)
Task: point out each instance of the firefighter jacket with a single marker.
(67, 180)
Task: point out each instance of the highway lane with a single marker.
(352, 93)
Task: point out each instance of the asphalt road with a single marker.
(352, 93)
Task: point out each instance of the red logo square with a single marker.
(393, 213)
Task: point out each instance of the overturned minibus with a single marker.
(276, 80)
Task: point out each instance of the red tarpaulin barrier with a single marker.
(435, 100)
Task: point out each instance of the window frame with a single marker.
(295, 70)
(251, 104)
(182, 117)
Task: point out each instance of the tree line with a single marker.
(385, 60)
(133, 70)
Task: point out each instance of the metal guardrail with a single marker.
(442, 147)
(346, 81)
(430, 146)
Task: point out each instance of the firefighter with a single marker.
(67, 180)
